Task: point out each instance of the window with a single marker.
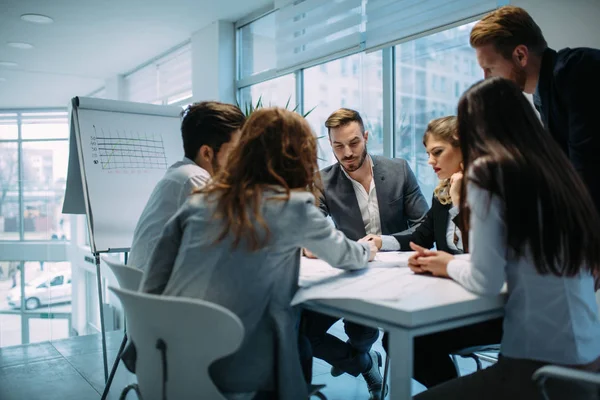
(415, 110)
(9, 192)
(45, 292)
(58, 281)
(8, 126)
(361, 88)
(166, 80)
(406, 80)
(44, 180)
(275, 92)
(434, 83)
(256, 46)
(31, 209)
(47, 125)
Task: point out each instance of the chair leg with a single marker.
(113, 371)
(478, 362)
(128, 388)
(385, 376)
(315, 391)
(455, 362)
(472, 356)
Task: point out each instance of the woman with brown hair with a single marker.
(237, 243)
(432, 364)
(441, 225)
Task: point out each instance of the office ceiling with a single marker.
(90, 41)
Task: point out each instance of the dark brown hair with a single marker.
(277, 150)
(506, 28)
(507, 152)
(209, 123)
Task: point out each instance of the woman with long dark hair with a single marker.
(237, 243)
(531, 223)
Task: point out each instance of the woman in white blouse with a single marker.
(532, 225)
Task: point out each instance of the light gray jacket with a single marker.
(257, 286)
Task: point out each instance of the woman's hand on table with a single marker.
(429, 261)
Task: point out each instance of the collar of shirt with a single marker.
(355, 182)
(199, 174)
(188, 161)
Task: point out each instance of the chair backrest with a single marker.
(195, 334)
(128, 277)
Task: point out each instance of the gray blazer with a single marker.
(257, 286)
(402, 206)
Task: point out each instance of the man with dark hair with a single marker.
(564, 84)
(368, 198)
(209, 130)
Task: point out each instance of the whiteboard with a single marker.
(118, 153)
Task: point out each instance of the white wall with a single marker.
(213, 63)
(566, 23)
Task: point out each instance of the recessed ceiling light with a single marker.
(8, 64)
(37, 18)
(20, 45)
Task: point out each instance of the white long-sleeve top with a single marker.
(547, 318)
(170, 193)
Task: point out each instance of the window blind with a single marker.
(390, 21)
(311, 29)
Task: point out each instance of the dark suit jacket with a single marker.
(401, 203)
(568, 99)
(432, 230)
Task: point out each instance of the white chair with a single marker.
(128, 278)
(176, 340)
(542, 375)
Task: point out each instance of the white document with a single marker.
(365, 284)
(392, 258)
(383, 279)
(315, 270)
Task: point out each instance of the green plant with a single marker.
(249, 108)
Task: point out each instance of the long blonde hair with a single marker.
(444, 129)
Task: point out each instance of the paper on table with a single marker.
(396, 258)
(314, 270)
(365, 284)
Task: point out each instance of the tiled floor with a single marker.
(72, 369)
(63, 369)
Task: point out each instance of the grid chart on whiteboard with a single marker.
(126, 150)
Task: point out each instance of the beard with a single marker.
(361, 161)
(518, 76)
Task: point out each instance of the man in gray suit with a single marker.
(364, 195)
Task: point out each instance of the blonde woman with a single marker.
(442, 224)
(442, 227)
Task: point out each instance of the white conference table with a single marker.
(436, 305)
